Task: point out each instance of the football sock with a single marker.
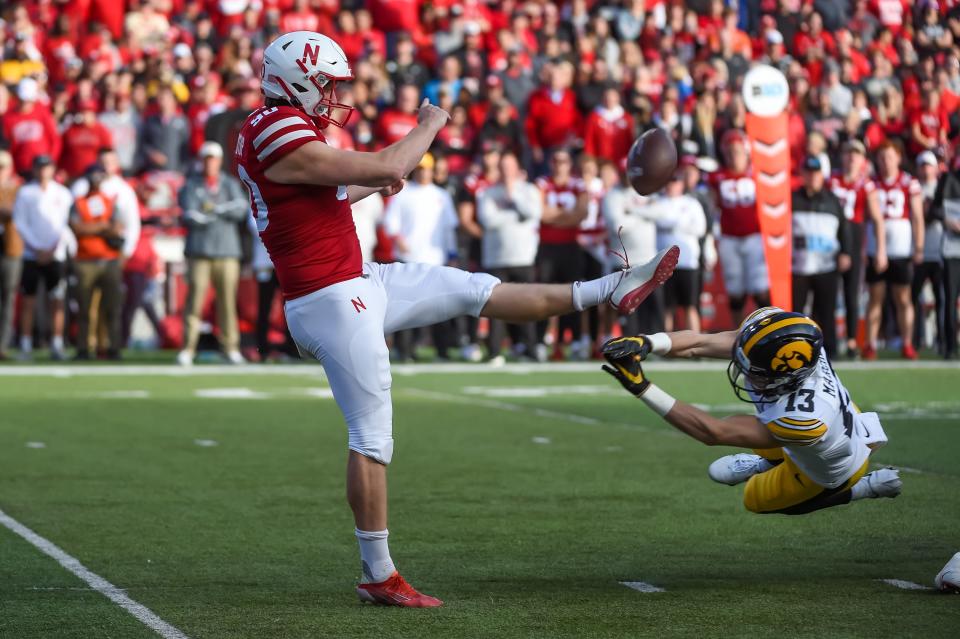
(594, 292)
(56, 343)
(374, 555)
(26, 344)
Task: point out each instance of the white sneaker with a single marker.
(735, 469)
(639, 281)
(497, 361)
(471, 353)
(234, 357)
(948, 579)
(185, 358)
(883, 483)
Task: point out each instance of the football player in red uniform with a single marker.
(339, 308)
(858, 194)
(901, 204)
(741, 245)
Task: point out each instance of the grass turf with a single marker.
(522, 500)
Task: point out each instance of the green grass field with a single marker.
(520, 498)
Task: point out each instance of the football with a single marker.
(651, 161)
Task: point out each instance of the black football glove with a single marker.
(625, 355)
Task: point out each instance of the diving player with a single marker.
(811, 444)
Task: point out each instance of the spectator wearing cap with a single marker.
(41, 213)
(422, 221)
(509, 212)
(681, 221)
(30, 129)
(821, 249)
(100, 238)
(83, 140)
(11, 260)
(165, 136)
(553, 120)
(931, 268)
(214, 204)
(609, 130)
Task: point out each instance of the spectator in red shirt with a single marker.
(83, 140)
(30, 129)
(395, 123)
(395, 15)
(553, 120)
(609, 130)
(929, 125)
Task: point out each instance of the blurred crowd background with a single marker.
(124, 226)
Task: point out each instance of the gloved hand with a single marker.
(625, 355)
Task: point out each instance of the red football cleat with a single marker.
(909, 352)
(869, 353)
(395, 591)
(638, 282)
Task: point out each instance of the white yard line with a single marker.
(140, 612)
(312, 369)
(642, 586)
(904, 585)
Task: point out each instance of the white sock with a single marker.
(374, 555)
(861, 489)
(26, 343)
(594, 292)
(764, 465)
(56, 343)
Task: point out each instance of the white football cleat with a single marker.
(948, 579)
(234, 357)
(185, 358)
(639, 281)
(884, 482)
(736, 469)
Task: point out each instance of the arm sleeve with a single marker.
(188, 201)
(237, 206)
(21, 217)
(488, 213)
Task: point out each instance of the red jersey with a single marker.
(737, 198)
(30, 134)
(564, 197)
(853, 194)
(931, 125)
(307, 230)
(394, 125)
(894, 196)
(552, 118)
(608, 135)
(81, 143)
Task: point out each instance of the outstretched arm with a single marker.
(745, 431)
(687, 344)
(320, 164)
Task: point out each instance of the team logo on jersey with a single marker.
(358, 305)
(792, 356)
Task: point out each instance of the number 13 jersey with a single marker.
(307, 229)
(816, 426)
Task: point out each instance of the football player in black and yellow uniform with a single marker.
(811, 445)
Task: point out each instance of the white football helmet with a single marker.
(304, 68)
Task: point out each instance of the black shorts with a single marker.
(899, 272)
(683, 288)
(53, 274)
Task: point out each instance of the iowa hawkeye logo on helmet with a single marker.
(792, 356)
(774, 353)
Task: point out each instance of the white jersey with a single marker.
(818, 425)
